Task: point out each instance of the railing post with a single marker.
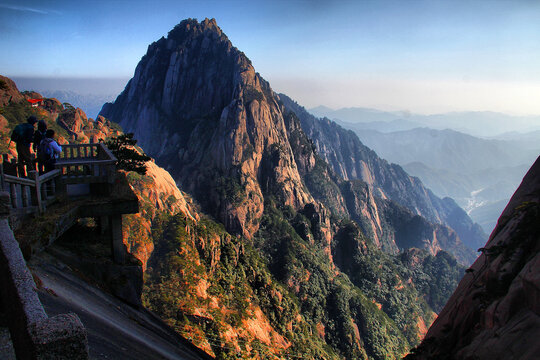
(111, 173)
(119, 251)
(60, 186)
(2, 179)
(37, 193)
(44, 193)
(13, 194)
(24, 196)
(53, 186)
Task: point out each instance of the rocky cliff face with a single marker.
(196, 104)
(494, 313)
(391, 226)
(9, 92)
(350, 159)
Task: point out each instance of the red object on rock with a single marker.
(35, 102)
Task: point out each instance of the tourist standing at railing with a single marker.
(39, 134)
(48, 151)
(23, 135)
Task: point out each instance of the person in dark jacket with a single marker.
(39, 134)
(25, 136)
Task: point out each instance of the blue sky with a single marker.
(421, 56)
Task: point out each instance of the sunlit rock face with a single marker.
(197, 105)
(495, 311)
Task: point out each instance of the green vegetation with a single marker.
(250, 94)
(353, 324)
(436, 277)
(128, 157)
(190, 254)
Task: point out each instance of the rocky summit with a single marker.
(197, 105)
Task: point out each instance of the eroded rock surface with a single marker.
(495, 311)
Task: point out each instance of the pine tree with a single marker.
(129, 157)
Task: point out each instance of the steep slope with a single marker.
(494, 313)
(350, 159)
(391, 226)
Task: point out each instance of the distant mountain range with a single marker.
(446, 149)
(479, 173)
(478, 123)
(90, 103)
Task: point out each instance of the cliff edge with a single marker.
(495, 311)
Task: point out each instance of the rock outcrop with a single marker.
(197, 106)
(495, 311)
(157, 194)
(9, 92)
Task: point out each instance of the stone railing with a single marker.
(34, 334)
(86, 163)
(77, 164)
(31, 194)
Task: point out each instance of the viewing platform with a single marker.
(84, 184)
(36, 209)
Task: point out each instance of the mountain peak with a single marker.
(191, 27)
(196, 104)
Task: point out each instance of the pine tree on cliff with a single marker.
(128, 157)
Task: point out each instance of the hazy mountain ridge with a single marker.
(351, 159)
(475, 172)
(493, 314)
(477, 123)
(445, 149)
(392, 226)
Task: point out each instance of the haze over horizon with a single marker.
(420, 56)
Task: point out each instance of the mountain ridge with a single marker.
(353, 160)
(494, 311)
(478, 123)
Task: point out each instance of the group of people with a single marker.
(44, 145)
